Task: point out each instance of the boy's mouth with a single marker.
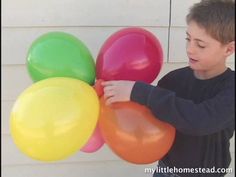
(191, 60)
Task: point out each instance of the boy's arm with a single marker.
(204, 118)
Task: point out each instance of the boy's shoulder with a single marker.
(180, 72)
(175, 76)
(229, 77)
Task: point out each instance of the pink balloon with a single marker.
(130, 54)
(95, 142)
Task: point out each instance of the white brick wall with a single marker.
(91, 21)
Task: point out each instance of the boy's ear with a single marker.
(230, 48)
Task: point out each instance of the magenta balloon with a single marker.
(95, 142)
(130, 54)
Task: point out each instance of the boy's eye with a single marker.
(198, 45)
(187, 39)
(201, 46)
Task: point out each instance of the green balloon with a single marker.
(59, 54)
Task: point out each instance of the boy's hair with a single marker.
(217, 17)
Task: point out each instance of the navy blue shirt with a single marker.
(203, 113)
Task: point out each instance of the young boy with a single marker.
(197, 100)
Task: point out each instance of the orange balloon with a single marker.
(133, 133)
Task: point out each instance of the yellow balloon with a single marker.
(54, 118)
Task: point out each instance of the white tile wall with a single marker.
(43, 13)
(179, 9)
(102, 168)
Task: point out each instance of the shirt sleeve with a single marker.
(204, 118)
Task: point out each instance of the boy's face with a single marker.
(204, 52)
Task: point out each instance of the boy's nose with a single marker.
(190, 49)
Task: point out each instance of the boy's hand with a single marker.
(117, 91)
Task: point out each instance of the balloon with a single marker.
(130, 54)
(98, 87)
(133, 133)
(95, 142)
(58, 54)
(52, 119)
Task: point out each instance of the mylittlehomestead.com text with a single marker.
(187, 170)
